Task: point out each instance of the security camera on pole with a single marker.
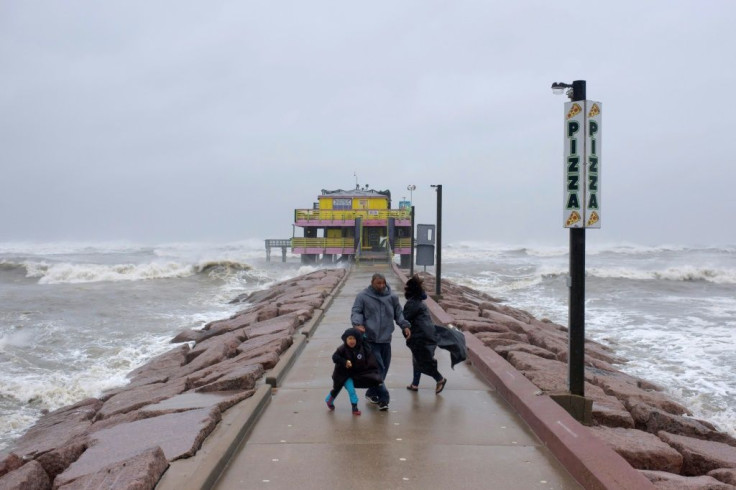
(581, 210)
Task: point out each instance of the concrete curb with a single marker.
(308, 328)
(593, 464)
(280, 370)
(203, 470)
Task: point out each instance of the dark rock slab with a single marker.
(179, 435)
(239, 378)
(188, 335)
(725, 475)
(30, 476)
(56, 428)
(10, 463)
(480, 325)
(192, 401)
(285, 323)
(504, 351)
(141, 396)
(669, 481)
(277, 342)
(56, 461)
(507, 321)
(517, 314)
(631, 395)
(225, 344)
(463, 314)
(158, 369)
(700, 457)
(654, 420)
(642, 450)
(139, 472)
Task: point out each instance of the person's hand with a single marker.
(360, 328)
(407, 333)
(348, 364)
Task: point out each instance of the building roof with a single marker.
(357, 192)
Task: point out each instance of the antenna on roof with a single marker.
(357, 186)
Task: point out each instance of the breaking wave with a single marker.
(71, 273)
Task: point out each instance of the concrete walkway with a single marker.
(466, 437)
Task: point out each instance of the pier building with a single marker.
(355, 225)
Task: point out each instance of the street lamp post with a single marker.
(438, 267)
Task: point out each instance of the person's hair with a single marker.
(414, 287)
(378, 275)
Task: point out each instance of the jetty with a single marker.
(469, 436)
(239, 403)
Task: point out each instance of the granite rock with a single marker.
(178, 434)
(642, 450)
(669, 481)
(30, 476)
(139, 472)
(700, 457)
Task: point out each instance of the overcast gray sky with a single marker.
(180, 120)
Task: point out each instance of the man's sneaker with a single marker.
(383, 406)
(373, 399)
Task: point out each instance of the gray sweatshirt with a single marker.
(377, 312)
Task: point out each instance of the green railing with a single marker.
(322, 243)
(349, 215)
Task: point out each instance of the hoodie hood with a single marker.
(355, 333)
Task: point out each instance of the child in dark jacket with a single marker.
(355, 367)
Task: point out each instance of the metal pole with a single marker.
(576, 313)
(438, 279)
(411, 263)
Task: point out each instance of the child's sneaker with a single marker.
(330, 401)
(356, 411)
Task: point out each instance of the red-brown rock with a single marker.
(503, 351)
(178, 434)
(138, 397)
(480, 325)
(700, 457)
(10, 462)
(241, 378)
(631, 395)
(654, 420)
(158, 369)
(642, 450)
(56, 461)
(669, 481)
(725, 475)
(511, 323)
(30, 476)
(56, 428)
(139, 472)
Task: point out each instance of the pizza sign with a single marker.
(582, 160)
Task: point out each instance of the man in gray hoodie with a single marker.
(374, 312)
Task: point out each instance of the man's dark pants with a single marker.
(382, 352)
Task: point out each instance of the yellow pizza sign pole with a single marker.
(581, 210)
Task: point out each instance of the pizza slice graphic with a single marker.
(593, 219)
(574, 110)
(574, 218)
(594, 111)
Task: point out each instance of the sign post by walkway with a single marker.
(581, 210)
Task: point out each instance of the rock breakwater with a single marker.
(653, 432)
(172, 403)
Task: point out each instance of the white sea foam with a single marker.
(680, 273)
(83, 273)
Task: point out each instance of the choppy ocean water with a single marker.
(75, 318)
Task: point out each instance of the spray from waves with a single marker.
(683, 273)
(37, 391)
(67, 273)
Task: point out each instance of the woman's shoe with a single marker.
(440, 385)
(356, 410)
(412, 388)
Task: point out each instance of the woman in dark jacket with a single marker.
(422, 340)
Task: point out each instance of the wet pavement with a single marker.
(465, 437)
